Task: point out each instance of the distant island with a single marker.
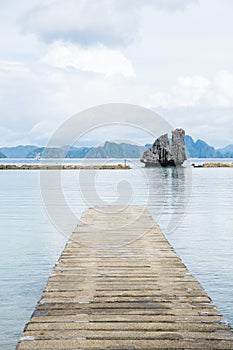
(2, 155)
(198, 149)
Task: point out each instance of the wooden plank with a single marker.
(119, 284)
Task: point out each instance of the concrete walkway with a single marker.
(120, 285)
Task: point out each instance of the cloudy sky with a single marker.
(59, 57)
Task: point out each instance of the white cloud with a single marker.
(8, 136)
(13, 67)
(111, 22)
(187, 92)
(83, 21)
(35, 102)
(176, 52)
(167, 5)
(42, 131)
(98, 59)
(195, 91)
(223, 89)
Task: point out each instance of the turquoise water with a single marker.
(201, 229)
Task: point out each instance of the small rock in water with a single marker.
(162, 153)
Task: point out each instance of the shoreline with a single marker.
(63, 167)
(213, 165)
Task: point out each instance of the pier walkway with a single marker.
(120, 285)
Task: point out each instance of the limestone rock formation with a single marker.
(162, 153)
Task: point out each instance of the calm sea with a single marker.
(192, 206)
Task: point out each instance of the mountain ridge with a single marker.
(195, 149)
(2, 155)
(20, 151)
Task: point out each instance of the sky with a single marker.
(59, 57)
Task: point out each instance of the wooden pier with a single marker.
(123, 288)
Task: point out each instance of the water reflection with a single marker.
(170, 191)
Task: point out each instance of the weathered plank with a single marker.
(120, 285)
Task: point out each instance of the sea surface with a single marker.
(193, 206)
